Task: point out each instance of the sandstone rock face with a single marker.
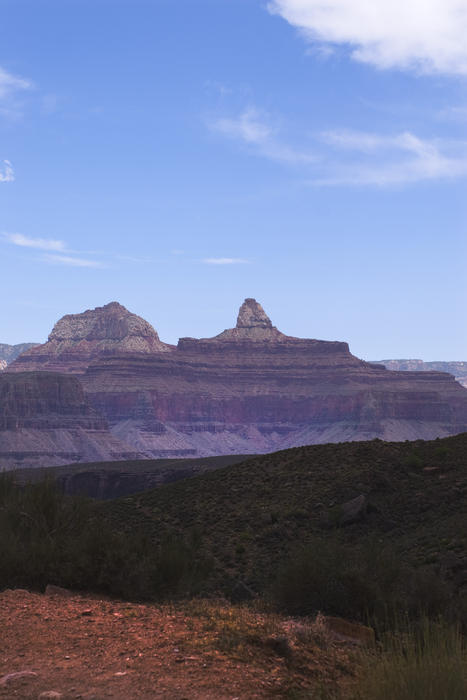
(249, 389)
(45, 419)
(79, 338)
(458, 369)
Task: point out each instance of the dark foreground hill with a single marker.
(345, 529)
(408, 497)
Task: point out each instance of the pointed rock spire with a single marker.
(253, 324)
(252, 315)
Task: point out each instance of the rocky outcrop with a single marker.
(77, 339)
(108, 480)
(249, 389)
(9, 353)
(458, 369)
(45, 419)
(254, 389)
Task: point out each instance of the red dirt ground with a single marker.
(89, 648)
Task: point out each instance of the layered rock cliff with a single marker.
(458, 369)
(79, 338)
(254, 389)
(45, 420)
(249, 389)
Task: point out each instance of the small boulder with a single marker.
(346, 513)
(58, 590)
(353, 510)
(16, 675)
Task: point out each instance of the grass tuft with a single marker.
(423, 662)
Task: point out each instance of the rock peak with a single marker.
(113, 305)
(78, 339)
(252, 315)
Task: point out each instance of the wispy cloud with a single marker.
(39, 243)
(255, 130)
(425, 36)
(10, 87)
(8, 174)
(57, 251)
(11, 83)
(349, 157)
(225, 261)
(454, 114)
(71, 261)
(399, 159)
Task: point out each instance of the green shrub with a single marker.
(318, 577)
(47, 537)
(414, 461)
(356, 582)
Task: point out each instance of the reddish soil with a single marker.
(83, 647)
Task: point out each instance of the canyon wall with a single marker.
(249, 389)
(46, 420)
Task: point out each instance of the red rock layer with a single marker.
(45, 419)
(253, 389)
(249, 389)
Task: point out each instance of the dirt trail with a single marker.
(88, 648)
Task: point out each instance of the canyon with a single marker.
(46, 420)
(249, 389)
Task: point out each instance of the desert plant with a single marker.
(414, 461)
(48, 537)
(356, 581)
(423, 662)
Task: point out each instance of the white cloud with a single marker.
(255, 130)
(248, 127)
(71, 261)
(392, 160)
(10, 86)
(428, 36)
(8, 174)
(346, 157)
(55, 247)
(39, 243)
(225, 261)
(11, 83)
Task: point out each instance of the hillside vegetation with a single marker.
(350, 529)
(251, 517)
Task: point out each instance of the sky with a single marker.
(178, 156)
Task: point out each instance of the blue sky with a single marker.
(181, 156)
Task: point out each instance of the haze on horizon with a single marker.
(178, 157)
